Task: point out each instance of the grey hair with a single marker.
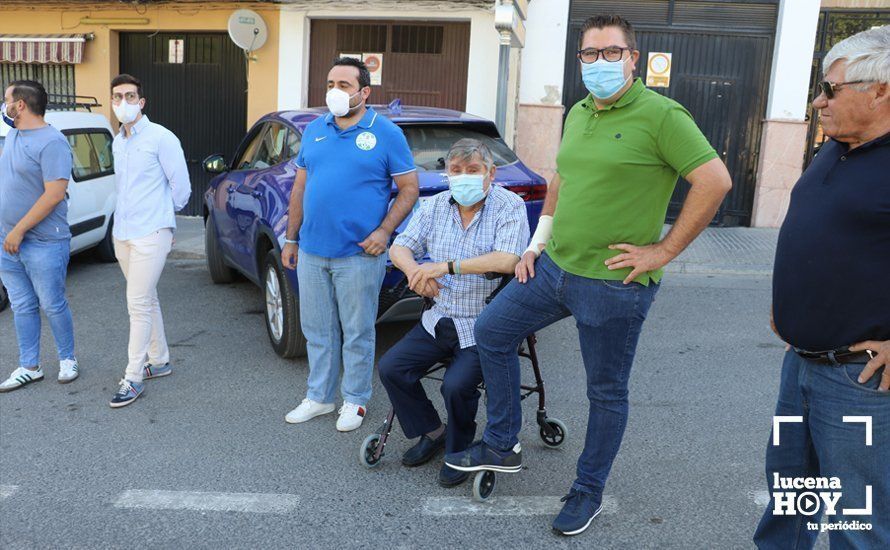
(467, 149)
(867, 56)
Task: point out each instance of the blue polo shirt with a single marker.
(349, 181)
(833, 256)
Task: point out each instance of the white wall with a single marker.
(792, 59)
(543, 58)
(294, 51)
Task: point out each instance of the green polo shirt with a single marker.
(617, 168)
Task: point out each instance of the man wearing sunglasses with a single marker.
(623, 148)
(832, 306)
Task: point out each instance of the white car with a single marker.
(91, 192)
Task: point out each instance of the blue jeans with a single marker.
(35, 279)
(405, 364)
(609, 316)
(338, 311)
(823, 445)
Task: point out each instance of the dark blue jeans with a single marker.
(823, 445)
(609, 316)
(402, 368)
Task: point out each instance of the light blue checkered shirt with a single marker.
(436, 229)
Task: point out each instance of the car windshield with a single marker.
(430, 144)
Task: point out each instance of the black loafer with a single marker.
(424, 451)
(449, 477)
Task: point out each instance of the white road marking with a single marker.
(7, 491)
(261, 503)
(503, 506)
(760, 498)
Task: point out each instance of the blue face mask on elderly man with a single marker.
(467, 189)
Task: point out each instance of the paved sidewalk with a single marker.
(717, 251)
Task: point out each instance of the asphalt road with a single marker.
(76, 474)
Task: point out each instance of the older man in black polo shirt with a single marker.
(831, 303)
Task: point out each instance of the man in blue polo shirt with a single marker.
(339, 227)
(832, 306)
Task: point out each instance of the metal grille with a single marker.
(417, 39)
(757, 15)
(361, 38)
(57, 79)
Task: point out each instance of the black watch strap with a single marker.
(451, 267)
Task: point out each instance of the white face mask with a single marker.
(338, 101)
(126, 112)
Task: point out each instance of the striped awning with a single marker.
(41, 48)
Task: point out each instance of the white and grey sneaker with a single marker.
(21, 377)
(68, 370)
(351, 417)
(308, 410)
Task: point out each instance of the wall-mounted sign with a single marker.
(176, 51)
(374, 62)
(658, 74)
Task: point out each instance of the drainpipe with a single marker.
(509, 21)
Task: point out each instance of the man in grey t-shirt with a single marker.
(34, 169)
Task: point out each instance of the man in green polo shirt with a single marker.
(623, 148)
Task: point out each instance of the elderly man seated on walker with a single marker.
(472, 229)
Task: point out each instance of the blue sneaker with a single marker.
(577, 513)
(150, 371)
(479, 456)
(127, 393)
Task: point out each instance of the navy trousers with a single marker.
(402, 368)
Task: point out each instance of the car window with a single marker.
(430, 144)
(244, 162)
(271, 150)
(91, 150)
(293, 143)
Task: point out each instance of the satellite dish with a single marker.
(247, 30)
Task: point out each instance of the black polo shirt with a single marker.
(831, 280)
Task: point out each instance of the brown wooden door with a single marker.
(424, 63)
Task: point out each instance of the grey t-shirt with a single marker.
(30, 158)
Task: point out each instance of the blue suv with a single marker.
(245, 206)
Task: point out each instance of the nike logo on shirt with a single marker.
(320, 138)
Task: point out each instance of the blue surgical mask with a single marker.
(467, 189)
(6, 118)
(602, 78)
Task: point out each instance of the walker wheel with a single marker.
(367, 450)
(483, 485)
(558, 436)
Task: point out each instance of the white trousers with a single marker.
(142, 261)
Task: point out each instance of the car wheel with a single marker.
(4, 298)
(282, 310)
(105, 249)
(220, 273)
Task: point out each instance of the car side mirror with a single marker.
(215, 164)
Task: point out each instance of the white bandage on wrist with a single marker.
(542, 234)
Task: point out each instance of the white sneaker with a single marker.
(351, 416)
(68, 371)
(308, 410)
(22, 377)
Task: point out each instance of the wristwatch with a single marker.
(451, 267)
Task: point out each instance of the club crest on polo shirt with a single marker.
(366, 141)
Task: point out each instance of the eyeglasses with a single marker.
(829, 88)
(131, 97)
(610, 54)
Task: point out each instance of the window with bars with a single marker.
(361, 38)
(417, 39)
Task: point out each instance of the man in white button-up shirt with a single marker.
(152, 183)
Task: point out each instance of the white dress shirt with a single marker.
(152, 180)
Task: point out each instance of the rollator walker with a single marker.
(552, 431)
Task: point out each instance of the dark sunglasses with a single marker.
(829, 88)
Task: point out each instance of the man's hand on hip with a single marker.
(13, 241)
(289, 255)
(375, 243)
(880, 352)
(641, 259)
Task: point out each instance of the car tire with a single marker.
(220, 272)
(105, 249)
(4, 298)
(282, 311)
